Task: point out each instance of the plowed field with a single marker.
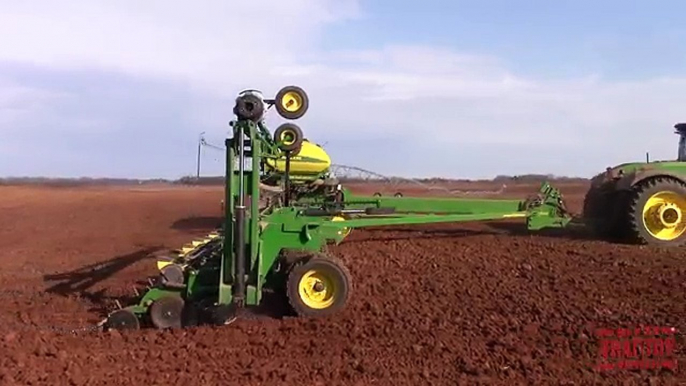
(482, 303)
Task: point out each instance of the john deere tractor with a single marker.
(641, 202)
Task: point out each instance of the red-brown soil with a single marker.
(440, 304)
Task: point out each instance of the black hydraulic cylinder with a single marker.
(239, 233)
(239, 242)
(313, 212)
(287, 190)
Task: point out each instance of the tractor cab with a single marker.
(681, 130)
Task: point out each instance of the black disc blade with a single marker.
(173, 273)
(122, 320)
(167, 312)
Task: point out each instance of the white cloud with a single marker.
(20, 103)
(204, 42)
(468, 99)
(433, 96)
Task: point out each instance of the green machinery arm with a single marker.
(543, 210)
(310, 227)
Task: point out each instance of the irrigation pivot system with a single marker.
(284, 206)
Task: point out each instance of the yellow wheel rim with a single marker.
(663, 215)
(317, 290)
(345, 231)
(287, 138)
(292, 101)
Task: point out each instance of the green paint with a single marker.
(435, 205)
(280, 229)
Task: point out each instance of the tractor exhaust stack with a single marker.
(681, 130)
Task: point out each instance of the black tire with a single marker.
(601, 211)
(249, 107)
(398, 194)
(282, 134)
(641, 193)
(324, 267)
(298, 93)
(377, 194)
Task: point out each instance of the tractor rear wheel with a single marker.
(657, 212)
(601, 213)
(318, 286)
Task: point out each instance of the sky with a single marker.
(437, 88)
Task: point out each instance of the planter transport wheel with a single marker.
(318, 286)
(292, 102)
(288, 137)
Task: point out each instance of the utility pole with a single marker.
(200, 142)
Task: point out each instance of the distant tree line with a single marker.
(219, 180)
(83, 181)
(537, 178)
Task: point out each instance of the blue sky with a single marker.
(543, 38)
(461, 89)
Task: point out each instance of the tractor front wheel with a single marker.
(657, 212)
(318, 286)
